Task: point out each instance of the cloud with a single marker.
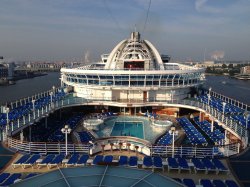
(201, 6)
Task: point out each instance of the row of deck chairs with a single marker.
(7, 179)
(207, 182)
(207, 165)
(51, 160)
(180, 164)
(26, 161)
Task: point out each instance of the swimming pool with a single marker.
(140, 127)
(128, 128)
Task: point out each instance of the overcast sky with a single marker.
(67, 30)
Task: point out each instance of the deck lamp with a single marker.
(33, 103)
(223, 110)
(51, 98)
(174, 133)
(209, 90)
(7, 120)
(66, 130)
(208, 101)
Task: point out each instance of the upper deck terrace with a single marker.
(24, 113)
(169, 68)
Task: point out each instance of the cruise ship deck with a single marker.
(132, 117)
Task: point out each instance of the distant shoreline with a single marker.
(21, 77)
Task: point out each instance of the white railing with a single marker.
(45, 147)
(121, 143)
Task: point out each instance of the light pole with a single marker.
(223, 110)
(34, 113)
(7, 121)
(173, 132)
(66, 130)
(209, 90)
(53, 88)
(51, 98)
(208, 101)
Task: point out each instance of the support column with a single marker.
(21, 136)
(226, 137)
(200, 116)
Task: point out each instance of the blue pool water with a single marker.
(135, 126)
(127, 128)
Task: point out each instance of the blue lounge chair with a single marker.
(56, 161)
(158, 162)
(172, 164)
(189, 182)
(198, 165)
(219, 183)
(46, 160)
(82, 160)
(178, 180)
(147, 162)
(133, 161)
(108, 159)
(206, 183)
(231, 183)
(20, 161)
(123, 160)
(31, 161)
(11, 179)
(73, 160)
(220, 166)
(98, 159)
(209, 165)
(183, 164)
(4, 176)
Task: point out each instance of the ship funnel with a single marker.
(135, 36)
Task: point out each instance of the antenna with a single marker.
(111, 15)
(149, 4)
